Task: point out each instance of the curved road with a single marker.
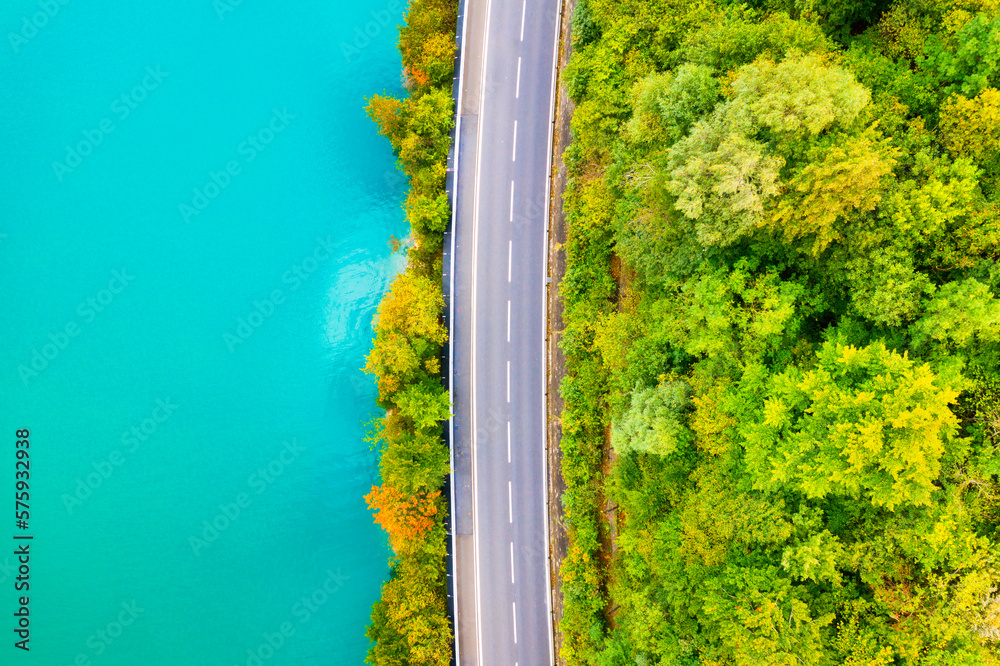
(497, 273)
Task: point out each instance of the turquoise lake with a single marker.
(194, 235)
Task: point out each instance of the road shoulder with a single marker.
(558, 538)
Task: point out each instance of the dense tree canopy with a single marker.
(783, 329)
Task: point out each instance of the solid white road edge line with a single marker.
(451, 320)
(475, 270)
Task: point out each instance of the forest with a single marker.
(410, 624)
(782, 333)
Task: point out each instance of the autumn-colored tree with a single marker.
(408, 334)
(394, 362)
(416, 77)
(412, 307)
(848, 178)
(410, 625)
(386, 111)
(438, 58)
(970, 128)
(427, 43)
(406, 518)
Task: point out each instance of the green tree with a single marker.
(802, 95)
(427, 120)
(959, 312)
(886, 288)
(411, 460)
(834, 504)
(731, 40)
(721, 179)
(815, 553)
(428, 216)
(668, 104)
(756, 616)
(655, 422)
(730, 316)
(836, 16)
(969, 61)
(425, 404)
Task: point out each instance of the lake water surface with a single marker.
(193, 241)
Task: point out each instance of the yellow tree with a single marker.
(385, 111)
(408, 334)
(848, 178)
(409, 624)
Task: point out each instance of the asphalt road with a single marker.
(497, 270)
